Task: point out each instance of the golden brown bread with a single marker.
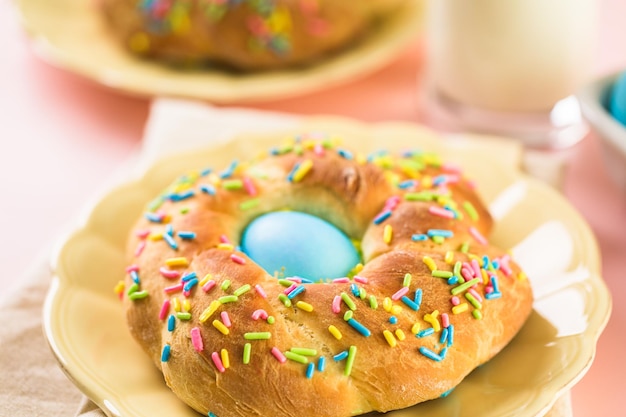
(393, 352)
(243, 34)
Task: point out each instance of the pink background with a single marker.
(64, 136)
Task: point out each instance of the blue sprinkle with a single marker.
(495, 264)
(135, 277)
(306, 281)
(170, 241)
(186, 235)
(425, 332)
(439, 179)
(190, 284)
(443, 352)
(450, 334)
(445, 394)
(205, 172)
(154, 218)
(359, 327)
(439, 232)
(453, 280)
(494, 284)
(211, 414)
(407, 184)
(418, 297)
(341, 356)
(321, 364)
(169, 229)
(444, 336)
(493, 295)
(382, 217)
(296, 291)
(229, 171)
(419, 237)
(293, 172)
(430, 354)
(355, 290)
(171, 323)
(188, 277)
(165, 355)
(208, 189)
(310, 368)
(410, 303)
(344, 153)
(393, 320)
(182, 196)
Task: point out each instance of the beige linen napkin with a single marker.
(31, 381)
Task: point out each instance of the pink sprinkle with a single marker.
(359, 279)
(476, 268)
(448, 167)
(343, 280)
(174, 288)
(290, 288)
(131, 268)
(336, 305)
(260, 291)
(477, 296)
(467, 273)
(248, 185)
(400, 293)
(226, 319)
(278, 355)
(237, 259)
(392, 202)
(196, 340)
(445, 320)
(218, 361)
(164, 309)
(294, 279)
(318, 149)
(488, 289)
(224, 239)
(140, 247)
(476, 235)
(142, 234)
(208, 286)
(168, 273)
(186, 293)
(259, 314)
(455, 300)
(441, 212)
(504, 265)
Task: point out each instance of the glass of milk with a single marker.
(510, 67)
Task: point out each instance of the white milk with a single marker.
(510, 55)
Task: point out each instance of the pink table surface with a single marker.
(64, 136)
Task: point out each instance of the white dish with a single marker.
(86, 329)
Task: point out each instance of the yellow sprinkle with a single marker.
(177, 262)
(176, 305)
(302, 170)
(119, 287)
(432, 319)
(225, 358)
(360, 159)
(472, 256)
(449, 258)
(304, 306)
(139, 42)
(485, 276)
(387, 234)
(221, 327)
(430, 263)
(396, 310)
(225, 246)
(206, 279)
(155, 236)
(208, 312)
(426, 181)
(387, 304)
(389, 338)
(459, 308)
(521, 276)
(400, 334)
(416, 328)
(335, 332)
(186, 305)
(280, 21)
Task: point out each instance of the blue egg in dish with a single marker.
(299, 244)
(617, 103)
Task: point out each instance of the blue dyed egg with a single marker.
(299, 244)
(617, 103)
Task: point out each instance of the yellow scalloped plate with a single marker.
(86, 329)
(71, 34)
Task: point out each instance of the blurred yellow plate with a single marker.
(86, 328)
(72, 35)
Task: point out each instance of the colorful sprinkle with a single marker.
(278, 355)
(217, 361)
(196, 339)
(335, 332)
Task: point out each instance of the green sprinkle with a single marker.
(465, 247)
(228, 299)
(438, 239)
(457, 268)
(226, 285)
(420, 196)
(350, 361)
(257, 335)
(477, 314)
(285, 300)
(132, 289)
(304, 351)
(407, 280)
(437, 273)
(470, 210)
(242, 290)
(183, 315)
(184, 210)
(232, 185)
(473, 301)
(346, 299)
(285, 282)
(362, 293)
(248, 204)
(373, 302)
(271, 320)
(460, 288)
(246, 353)
(296, 358)
(137, 295)
(348, 315)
